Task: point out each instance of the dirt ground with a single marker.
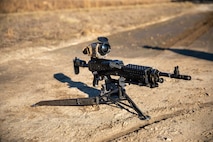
(37, 46)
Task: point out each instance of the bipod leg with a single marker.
(123, 96)
(135, 107)
(70, 102)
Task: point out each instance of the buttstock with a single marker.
(76, 66)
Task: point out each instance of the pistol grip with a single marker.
(95, 80)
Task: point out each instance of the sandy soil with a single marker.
(37, 46)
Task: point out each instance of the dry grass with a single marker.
(8, 6)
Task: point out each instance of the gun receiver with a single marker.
(133, 74)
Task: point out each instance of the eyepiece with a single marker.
(104, 48)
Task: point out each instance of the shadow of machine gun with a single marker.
(113, 90)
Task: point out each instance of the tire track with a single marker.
(139, 127)
(191, 34)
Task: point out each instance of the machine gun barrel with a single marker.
(184, 77)
(176, 74)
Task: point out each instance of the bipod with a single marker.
(112, 92)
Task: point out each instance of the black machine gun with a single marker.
(113, 91)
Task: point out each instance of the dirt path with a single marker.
(180, 110)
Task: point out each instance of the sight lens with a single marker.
(104, 49)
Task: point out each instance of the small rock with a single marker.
(167, 139)
(163, 43)
(124, 124)
(207, 94)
